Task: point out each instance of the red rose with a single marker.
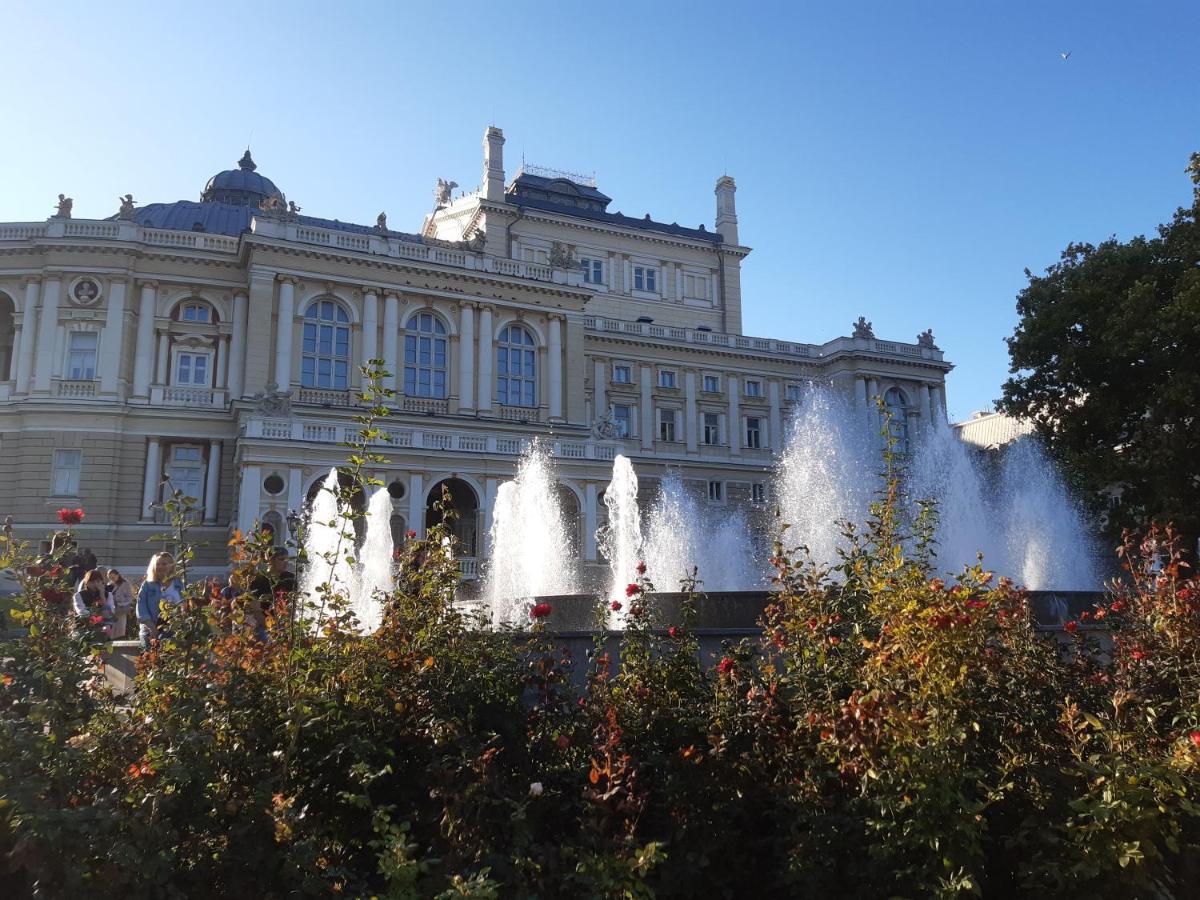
(641, 568)
(673, 632)
(976, 604)
(1071, 627)
(1117, 605)
(1194, 737)
(540, 611)
(410, 534)
(96, 620)
(1138, 654)
(726, 666)
(632, 590)
(1184, 594)
(615, 606)
(70, 516)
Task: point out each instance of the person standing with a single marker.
(160, 586)
(91, 602)
(278, 579)
(120, 592)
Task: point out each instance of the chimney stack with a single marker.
(493, 164)
(727, 224)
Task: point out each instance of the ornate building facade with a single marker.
(214, 347)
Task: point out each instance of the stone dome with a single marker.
(241, 186)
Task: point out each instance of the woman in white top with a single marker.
(120, 592)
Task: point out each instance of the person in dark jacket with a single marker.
(263, 588)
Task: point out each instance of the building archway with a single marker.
(465, 503)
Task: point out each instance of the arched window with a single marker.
(425, 357)
(325, 360)
(196, 311)
(897, 407)
(516, 367)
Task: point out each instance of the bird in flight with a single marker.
(1066, 55)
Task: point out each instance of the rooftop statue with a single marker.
(381, 221)
(863, 329)
(126, 211)
(64, 207)
(441, 193)
(925, 339)
(272, 205)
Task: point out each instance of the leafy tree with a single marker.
(1106, 362)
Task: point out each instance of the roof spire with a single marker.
(246, 164)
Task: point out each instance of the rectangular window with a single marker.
(716, 491)
(792, 392)
(666, 378)
(645, 279)
(712, 384)
(81, 355)
(753, 388)
(758, 493)
(191, 369)
(623, 419)
(185, 471)
(593, 271)
(712, 429)
(754, 433)
(65, 476)
(534, 255)
(695, 287)
(666, 425)
(622, 375)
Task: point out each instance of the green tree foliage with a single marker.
(1106, 362)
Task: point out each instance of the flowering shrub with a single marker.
(892, 733)
(70, 516)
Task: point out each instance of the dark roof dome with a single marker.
(241, 186)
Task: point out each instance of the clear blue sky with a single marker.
(902, 161)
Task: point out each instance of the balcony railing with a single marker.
(327, 398)
(438, 440)
(191, 397)
(75, 389)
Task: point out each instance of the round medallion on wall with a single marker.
(273, 484)
(85, 292)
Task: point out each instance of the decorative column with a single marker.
(860, 394)
(248, 498)
(872, 408)
(556, 372)
(926, 408)
(47, 335)
(295, 489)
(466, 358)
(236, 377)
(152, 477)
(735, 417)
(416, 505)
(599, 400)
(689, 410)
(486, 391)
(590, 521)
(775, 437)
(162, 373)
(143, 359)
(647, 415)
(370, 327)
(283, 334)
(212, 480)
(490, 487)
(391, 338)
(28, 335)
(114, 337)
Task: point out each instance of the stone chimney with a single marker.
(493, 164)
(727, 225)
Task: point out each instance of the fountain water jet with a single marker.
(328, 540)
(531, 551)
(374, 572)
(621, 539)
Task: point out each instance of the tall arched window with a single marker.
(897, 407)
(516, 367)
(425, 357)
(325, 360)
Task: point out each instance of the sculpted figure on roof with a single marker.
(64, 207)
(441, 193)
(863, 329)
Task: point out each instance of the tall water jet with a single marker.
(532, 553)
(621, 539)
(328, 540)
(683, 536)
(374, 572)
(827, 472)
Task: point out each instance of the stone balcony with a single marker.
(189, 397)
(440, 440)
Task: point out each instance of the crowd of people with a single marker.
(104, 599)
